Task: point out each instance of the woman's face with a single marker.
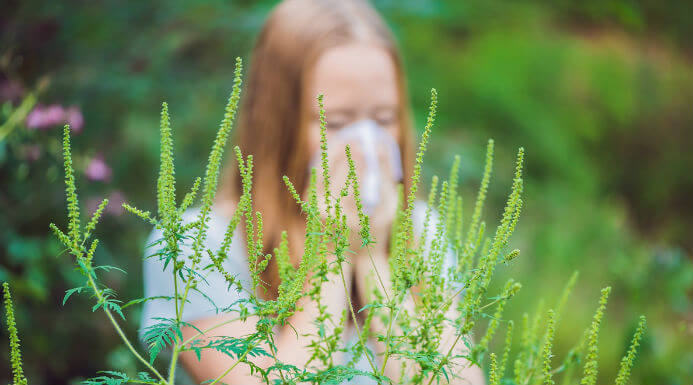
(359, 81)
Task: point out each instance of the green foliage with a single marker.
(590, 372)
(494, 375)
(452, 301)
(629, 359)
(407, 338)
(402, 273)
(506, 350)
(111, 377)
(161, 335)
(70, 188)
(546, 349)
(211, 178)
(166, 185)
(15, 352)
(614, 90)
(230, 346)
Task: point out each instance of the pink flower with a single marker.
(74, 117)
(46, 117)
(98, 170)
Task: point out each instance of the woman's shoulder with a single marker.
(213, 291)
(217, 213)
(217, 223)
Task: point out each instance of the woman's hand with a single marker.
(373, 257)
(337, 172)
(293, 347)
(381, 215)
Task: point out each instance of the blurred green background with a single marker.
(599, 92)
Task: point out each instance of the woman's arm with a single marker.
(212, 363)
(291, 347)
(468, 375)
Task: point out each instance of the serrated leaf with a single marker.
(145, 299)
(109, 304)
(144, 376)
(107, 268)
(161, 335)
(114, 378)
(210, 300)
(115, 307)
(373, 305)
(69, 293)
(231, 346)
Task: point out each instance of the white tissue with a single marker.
(372, 140)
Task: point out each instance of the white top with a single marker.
(159, 281)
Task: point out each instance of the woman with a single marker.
(344, 50)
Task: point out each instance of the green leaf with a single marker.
(372, 305)
(109, 304)
(145, 299)
(160, 335)
(107, 268)
(231, 346)
(144, 376)
(69, 293)
(113, 378)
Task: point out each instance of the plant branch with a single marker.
(118, 330)
(241, 358)
(356, 324)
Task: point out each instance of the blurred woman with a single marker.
(344, 50)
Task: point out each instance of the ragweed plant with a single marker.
(433, 318)
(15, 353)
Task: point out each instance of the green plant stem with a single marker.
(241, 358)
(391, 321)
(179, 315)
(276, 361)
(209, 329)
(495, 301)
(185, 294)
(175, 290)
(387, 345)
(17, 115)
(446, 302)
(356, 324)
(447, 356)
(118, 330)
(377, 273)
(172, 367)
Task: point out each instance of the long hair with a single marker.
(271, 125)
